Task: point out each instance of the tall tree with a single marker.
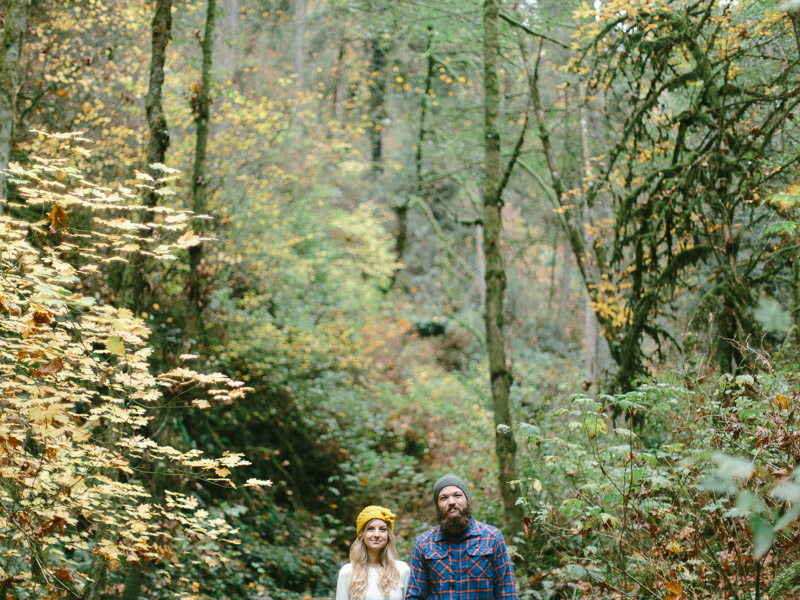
(201, 107)
(16, 19)
(377, 101)
(133, 293)
(591, 326)
(494, 181)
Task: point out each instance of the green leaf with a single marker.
(659, 482)
(733, 466)
(528, 430)
(575, 572)
(789, 491)
(594, 426)
(626, 433)
(763, 536)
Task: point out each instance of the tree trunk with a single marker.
(401, 209)
(563, 301)
(201, 107)
(337, 108)
(591, 327)
(794, 17)
(499, 369)
(377, 109)
(133, 581)
(480, 265)
(10, 51)
(796, 297)
(299, 39)
(134, 294)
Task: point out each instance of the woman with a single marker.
(374, 571)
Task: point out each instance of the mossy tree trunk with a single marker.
(198, 271)
(377, 102)
(134, 294)
(499, 367)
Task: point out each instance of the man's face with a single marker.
(452, 502)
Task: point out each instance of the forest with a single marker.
(266, 262)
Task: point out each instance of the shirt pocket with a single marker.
(438, 563)
(479, 562)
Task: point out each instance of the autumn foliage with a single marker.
(77, 397)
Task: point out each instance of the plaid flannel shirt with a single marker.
(474, 566)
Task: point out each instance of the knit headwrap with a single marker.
(447, 480)
(374, 512)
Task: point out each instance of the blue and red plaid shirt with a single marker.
(473, 566)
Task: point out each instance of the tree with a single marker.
(16, 18)
(201, 106)
(494, 182)
(698, 106)
(133, 293)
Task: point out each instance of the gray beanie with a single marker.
(447, 480)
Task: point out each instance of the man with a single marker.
(461, 558)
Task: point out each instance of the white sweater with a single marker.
(373, 593)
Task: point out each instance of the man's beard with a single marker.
(455, 523)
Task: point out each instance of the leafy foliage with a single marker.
(76, 398)
(703, 501)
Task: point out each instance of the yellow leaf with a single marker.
(115, 346)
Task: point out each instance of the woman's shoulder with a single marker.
(402, 566)
(346, 569)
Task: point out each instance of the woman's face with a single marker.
(376, 534)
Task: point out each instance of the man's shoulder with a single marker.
(484, 530)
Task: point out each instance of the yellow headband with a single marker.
(374, 512)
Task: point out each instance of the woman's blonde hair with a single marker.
(388, 575)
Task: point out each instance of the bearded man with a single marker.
(461, 558)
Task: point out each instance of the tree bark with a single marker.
(201, 106)
(134, 577)
(337, 107)
(499, 368)
(591, 327)
(16, 23)
(480, 265)
(794, 17)
(377, 108)
(563, 301)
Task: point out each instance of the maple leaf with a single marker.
(10, 307)
(115, 346)
(675, 590)
(252, 482)
(57, 217)
(50, 526)
(51, 367)
(64, 575)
